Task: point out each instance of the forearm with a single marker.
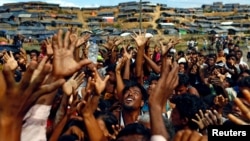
(139, 58)
(119, 85)
(58, 129)
(10, 129)
(61, 110)
(156, 121)
(152, 64)
(126, 74)
(94, 131)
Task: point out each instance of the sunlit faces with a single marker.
(132, 98)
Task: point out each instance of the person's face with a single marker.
(133, 98)
(238, 55)
(151, 87)
(242, 75)
(211, 61)
(181, 68)
(231, 61)
(236, 110)
(134, 137)
(181, 89)
(194, 69)
(175, 117)
(33, 56)
(112, 77)
(220, 53)
(150, 52)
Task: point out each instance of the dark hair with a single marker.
(111, 67)
(136, 84)
(34, 51)
(135, 129)
(185, 65)
(230, 55)
(244, 82)
(183, 80)
(181, 53)
(188, 105)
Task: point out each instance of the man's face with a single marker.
(231, 61)
(181, 89)
(132, 99)
(238, 55)
(175, 117)
(151, 87)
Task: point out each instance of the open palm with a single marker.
(63, 61)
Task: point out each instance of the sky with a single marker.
(96, 3)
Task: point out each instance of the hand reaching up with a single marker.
(188, 135)
(49, 49)
(19, 97)
(10, 61)
(140, 39)
(63, 61)
(166, 47)
(201, 120)
(73, 83)
(112, 43)
(23, 57)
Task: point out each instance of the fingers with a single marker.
(47, 89)
(27, 75)
(84, 62)
(188, 135)
(9, 77)
(55, 45)
(59, 38)
(37, 82)
(42, 63)
(66, 39)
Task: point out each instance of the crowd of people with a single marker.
(134, 92)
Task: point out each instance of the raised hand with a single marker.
(111, 43)
(120, 63)
(189, 135)
(213, 117)
(201, 120)
(49, 49)
(127, 54)
(63, 61)
(19, 97)
(73, 83)
(23, 57)
(98, 82)
(75, 130)
(10, 61)
(39, 69)
(140, 39)
(116, 128)
(165, 47)
(220, 101)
